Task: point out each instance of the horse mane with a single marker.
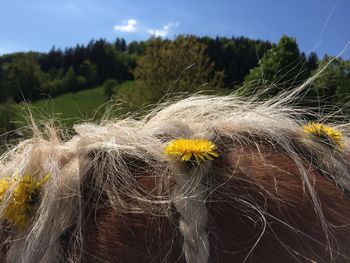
(273, 192)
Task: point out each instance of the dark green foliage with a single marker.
(7, 116)
(88, 70)
(31, 76)
(171, 66)
(55, 87)
(130, 97)
(137, 48)
(53, 60)
(235, 56)
(22, 79)
(333, 84)
(175, 66)
(312, 61)
(109, 88)
(72, 82)
(120, 45)
(100, 60)
(281, 67)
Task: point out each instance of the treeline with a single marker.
(235, 56)
(253, 67)
(30, 76)
(161, 67)
(284, 67)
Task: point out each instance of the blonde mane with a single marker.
(100, 162)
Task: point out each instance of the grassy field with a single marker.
(66, 109)
(87, 105)
(69, 108)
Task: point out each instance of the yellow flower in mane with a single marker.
(188, 149)
(22, 197)
(325, 133)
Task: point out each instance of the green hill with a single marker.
(69, 108)
(66, 109)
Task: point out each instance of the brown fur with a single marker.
(274, 194)
(265, 175)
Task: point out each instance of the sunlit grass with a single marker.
(66, 109)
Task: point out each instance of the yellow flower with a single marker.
(22, 197)
(325, 133)
(186, 149)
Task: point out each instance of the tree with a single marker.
(53, 60)
(280, 68)
(312, 61)
(109, 88)
(333, 84)
(5, 89)
(120, 44)
(7, 116)
(24, 78)
(88, 70)
(175, 66)
(136, 47)
(110, 63)
(71, 79)
(236, 56)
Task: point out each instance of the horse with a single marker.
(202, 179)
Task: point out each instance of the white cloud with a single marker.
(164, 31)
(127, 26)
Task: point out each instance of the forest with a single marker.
(159, 67)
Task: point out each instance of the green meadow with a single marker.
(64, 110)
(68, 109)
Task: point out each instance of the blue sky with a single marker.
(322, 26)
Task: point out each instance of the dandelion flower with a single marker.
(325, 133)
(23, 194)
(188, 149)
